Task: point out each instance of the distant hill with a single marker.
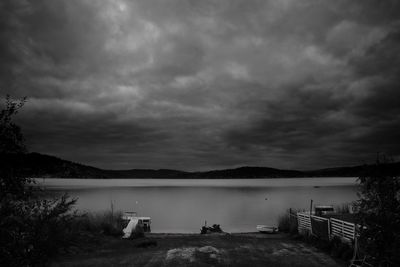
(247, 172)
(39, 165)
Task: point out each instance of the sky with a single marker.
(198, 85)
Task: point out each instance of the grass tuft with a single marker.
(287, 223)
(107, 223)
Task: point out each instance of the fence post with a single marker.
(329, 229)
(342, 228)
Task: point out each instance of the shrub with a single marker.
(335, 247)
(284, 223)
(108, 223)
(287, 224)
(340, 250)
(347, 254)
(342, 209)
(31, 229)
(379, 214)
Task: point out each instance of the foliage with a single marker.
(343, 208)
(11, 138)
(379, 215)
(287, 223)
(108, 223)
(31, 228)
(335, 247)
(12, 184)
(341, 250)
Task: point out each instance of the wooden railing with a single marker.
(342, 229)
(304, 221)
(324, 229)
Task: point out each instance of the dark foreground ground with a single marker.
(250, 249)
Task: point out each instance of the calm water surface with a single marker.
(182, 205)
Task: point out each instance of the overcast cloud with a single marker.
(197, 85)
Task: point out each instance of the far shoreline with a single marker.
(202, 178)
(49, 167)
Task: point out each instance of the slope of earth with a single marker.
(199, 250)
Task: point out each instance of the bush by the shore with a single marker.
(33, 230)
(107, 223)
(335, 247)
(287, 223)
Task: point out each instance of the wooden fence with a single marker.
(344, 230)
(304, 221)
(320, 227)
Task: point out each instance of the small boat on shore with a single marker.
(267, 229)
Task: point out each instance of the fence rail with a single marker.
(343, 229)
(336, 227)
(304, 221)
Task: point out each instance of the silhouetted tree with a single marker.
(11, 142)
(379, 215)
(31, 228)
(11, 138)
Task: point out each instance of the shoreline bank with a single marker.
(181, 249)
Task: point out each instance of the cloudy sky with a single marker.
(197, 85)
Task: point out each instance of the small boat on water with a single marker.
(132, 220)
(267, 229)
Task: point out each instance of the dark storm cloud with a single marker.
(204, 84)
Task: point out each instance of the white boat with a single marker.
(133, 220)
(266, 229)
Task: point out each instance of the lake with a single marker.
(183, 205)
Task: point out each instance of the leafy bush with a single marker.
(340, 250)
(31, 229)
(343, 208)
(287, 223)
(335, 247)
(379, 215)
(108, 223)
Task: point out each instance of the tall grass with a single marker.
(287, 223)
(342, 208)
(107, 223)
